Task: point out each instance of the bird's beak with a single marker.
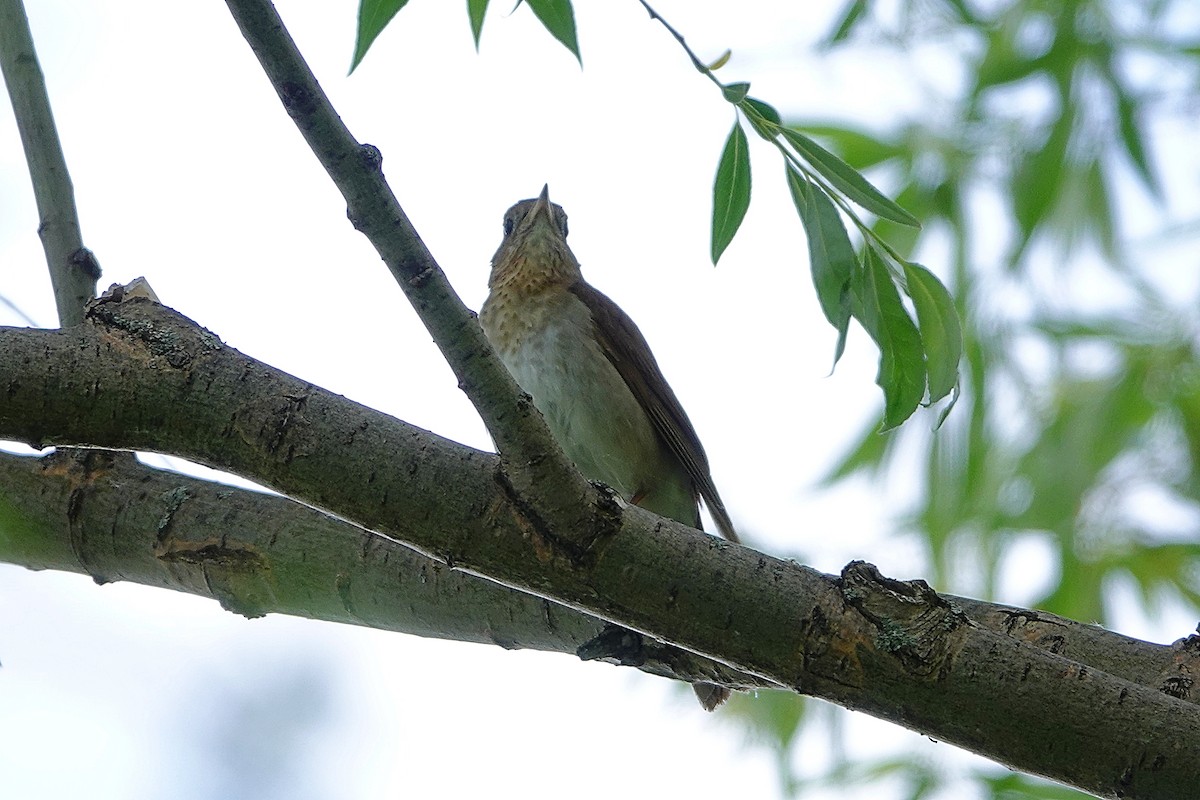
(542, 207)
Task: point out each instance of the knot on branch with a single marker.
(912, 622)
(237, 575)
(296, 98)
(85, 260)
(160, 331)
(626, 648)
(614, 645)
(571, 528)
(1179, 679)
(83, 466)
(370, 157)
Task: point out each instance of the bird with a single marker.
(590, 372)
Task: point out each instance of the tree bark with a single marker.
(104, 514)
(138, 376)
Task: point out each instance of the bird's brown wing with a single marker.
(628, 351)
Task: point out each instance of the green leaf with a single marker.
(1002, 62)
(846, 179)
(850, 17)
(753, 106)
(778, 716)
(1131, 137)
(558, 16)
(831, 255)
(901, 357)
(1039, 179)
(857, 148)
(1156, 567)
(721, 61)
(373, 17)
(736, 92)
(1011, 786)
(731, 190)
(1099, 211)
(476, 10)
(902, 238)
(758, 114)
(871, 455)
(941, 331)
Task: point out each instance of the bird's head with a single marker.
(534, 251)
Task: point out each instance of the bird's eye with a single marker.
(509, 224)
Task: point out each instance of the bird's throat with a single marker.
(537, 261)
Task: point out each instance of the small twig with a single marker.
(17, 310)
(700, 65)
(763, 126)
(73, 270)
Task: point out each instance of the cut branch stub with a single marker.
(913, 622)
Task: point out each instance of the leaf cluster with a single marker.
(1072, 467)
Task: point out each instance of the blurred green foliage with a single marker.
(1078, 428)
(1078, 421)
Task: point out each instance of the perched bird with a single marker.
(592, 376)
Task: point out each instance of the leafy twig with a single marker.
(703, 68)
(918, 359)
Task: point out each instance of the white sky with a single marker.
(188, 171)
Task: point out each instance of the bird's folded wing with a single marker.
(628, 351)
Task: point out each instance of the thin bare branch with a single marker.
(73, 268)
(534, 465)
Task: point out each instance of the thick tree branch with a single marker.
(141, 377)
(73, 268)
(104, 514)
(1172, 669)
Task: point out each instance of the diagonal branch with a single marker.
(140, 376)
(73, 268)
(534, 464)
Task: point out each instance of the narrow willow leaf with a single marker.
(765, 110)
(558, 17)
(850, 17)
(858, 148)
(721, 61)
(846, 179)
(830, 254)
(373, 17)
(731, 190)
(1130, 126)
(476, 9)
(1038, 181)
(955, 393)
(735, 92)
(1099, 210)
(901, 358)
(1002, 62)
(871, 455)
(941, 331)
(762, 117)
(923, 203)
